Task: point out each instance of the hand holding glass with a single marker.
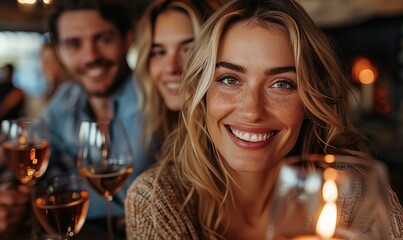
(330, 197)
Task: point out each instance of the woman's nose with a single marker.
(253, 105)
(175, 63)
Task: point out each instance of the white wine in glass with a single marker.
(105, 159)
(26, 148)
(61, 204)
(330, 197)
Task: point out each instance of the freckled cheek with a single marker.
(218, 105)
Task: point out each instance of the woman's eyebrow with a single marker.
(278, 70)
(230, 66)
(183, 42)
(271, 71)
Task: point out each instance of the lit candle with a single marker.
(365, 73)
(326, 225)
(367, 77)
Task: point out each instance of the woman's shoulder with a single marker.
(154, 206)
(147, 181)
(164, 183)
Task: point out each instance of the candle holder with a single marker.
(327, 197)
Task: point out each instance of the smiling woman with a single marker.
(261, 84)
(166, 36)
(254, 111)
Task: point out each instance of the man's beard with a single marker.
(119, 79)
(109, 90)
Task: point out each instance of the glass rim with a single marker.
(334, 159)
(23, 119)
(62, 176)
(104, 121)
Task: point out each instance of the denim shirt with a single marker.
(63, 116)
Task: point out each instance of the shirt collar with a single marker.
(125, 100)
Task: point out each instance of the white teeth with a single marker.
(251, 137)
(254, 138)
(173, 85)
(94, 72)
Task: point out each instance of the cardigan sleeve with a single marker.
(139, 224)
(396, 212)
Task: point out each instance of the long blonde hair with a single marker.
(157, 121)
(321, 85)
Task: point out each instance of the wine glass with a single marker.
(330, 197)
(105, 159)
(26, 148)
(60, 204)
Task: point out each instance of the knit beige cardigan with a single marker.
(171, 221)
(176, 224)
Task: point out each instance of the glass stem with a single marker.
(109, 220)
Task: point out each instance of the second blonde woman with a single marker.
(167, 34)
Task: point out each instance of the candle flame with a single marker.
(326, 225)
(330, 191)
(327, 221)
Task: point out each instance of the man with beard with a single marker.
(92, 39)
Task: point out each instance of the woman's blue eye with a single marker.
(229, 80)
(284, 84)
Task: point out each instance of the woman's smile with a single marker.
(251, 136)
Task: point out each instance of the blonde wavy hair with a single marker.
(154, 107)
(321, 85)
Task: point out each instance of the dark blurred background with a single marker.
(367, 34)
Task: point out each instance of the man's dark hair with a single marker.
(113, 11)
